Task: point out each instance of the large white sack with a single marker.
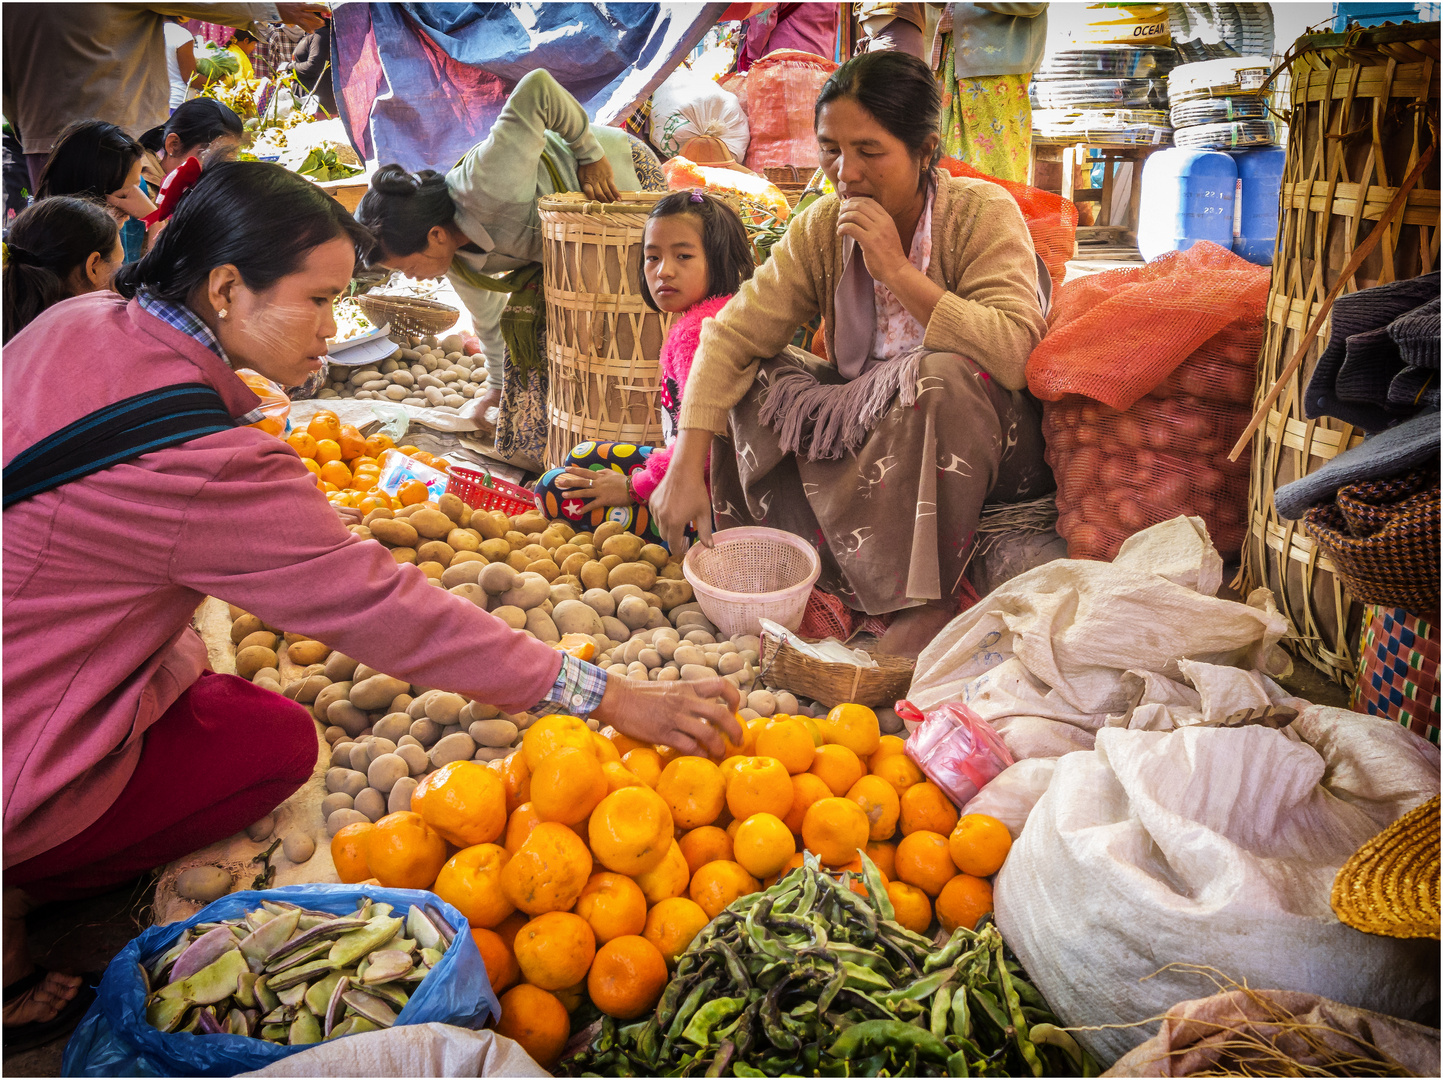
(691, 106)
(1218, 847)
(412, 1050)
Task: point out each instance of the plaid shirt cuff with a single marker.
(577, 690)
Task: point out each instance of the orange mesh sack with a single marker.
(781, 90)
(1051, 219)
(1149, 376)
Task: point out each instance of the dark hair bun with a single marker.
(394, 180)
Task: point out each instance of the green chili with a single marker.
(741, 1068)
(957, 1064)
(961, 1015)
(941, 1005)
(859, 977)
(949, 954)
(771, 1013)
(873, 1034)
(734, 966)
(918, 990)
(714, 1013)
(1014, 1009)
(990, 1007)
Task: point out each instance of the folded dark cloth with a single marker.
(1354, 374)
(1416, 335)
(1398, 450)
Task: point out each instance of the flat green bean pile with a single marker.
(811, 979)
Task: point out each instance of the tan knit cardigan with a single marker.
(981, 254)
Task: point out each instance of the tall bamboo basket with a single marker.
(603, 342)
(1364, 108)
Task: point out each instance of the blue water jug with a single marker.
(1187, 196)
(1255, 226)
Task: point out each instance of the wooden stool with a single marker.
(1071, 156)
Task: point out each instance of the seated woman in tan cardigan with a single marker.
(883, 455)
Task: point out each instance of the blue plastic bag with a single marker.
(115, 1039)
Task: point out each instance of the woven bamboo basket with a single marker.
(790, 180)
(784, 668)
(1364, 109)
(603, 342)
(409, 314)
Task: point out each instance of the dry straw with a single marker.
(1390, 886)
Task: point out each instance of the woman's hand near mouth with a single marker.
(865, 221)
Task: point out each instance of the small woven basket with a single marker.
(791, 181)
(784, 668)
(750, 574)
(1390, 886)
(409, 314)
(1383, 538)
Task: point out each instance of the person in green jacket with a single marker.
(479, 227)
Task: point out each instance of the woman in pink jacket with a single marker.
(133, 490)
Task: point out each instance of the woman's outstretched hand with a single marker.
(681, 715)
(598, 181)
(599, 487)
(681, 498)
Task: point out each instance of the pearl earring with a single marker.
(222, 313)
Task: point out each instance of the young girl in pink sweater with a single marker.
(696, 255)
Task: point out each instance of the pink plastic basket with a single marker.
(750, 574)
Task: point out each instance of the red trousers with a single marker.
(222, 757)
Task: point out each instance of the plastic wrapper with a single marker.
(397, 469)
(956, 749)
(275, 406)
(1100, 93)
(1107, 62)
(1219, 110)
(115, 1039)
(1237, 135)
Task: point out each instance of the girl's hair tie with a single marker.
(9, 253)
(698, 197)
(173, 189)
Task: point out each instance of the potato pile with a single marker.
(421, 372)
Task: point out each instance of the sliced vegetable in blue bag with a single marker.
(257, 976)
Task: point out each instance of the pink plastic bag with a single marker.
(955, 748)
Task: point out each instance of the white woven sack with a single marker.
(1216, 847)
(691, 106)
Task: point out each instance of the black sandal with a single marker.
(18, 1038)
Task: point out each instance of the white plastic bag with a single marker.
(691, 106)
(1217, 847)
(414, 1050)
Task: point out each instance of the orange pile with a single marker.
(592, 862)
(347, 466)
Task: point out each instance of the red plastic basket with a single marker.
(481, 491)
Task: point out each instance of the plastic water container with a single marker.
(1187, 196)
(1255, 223)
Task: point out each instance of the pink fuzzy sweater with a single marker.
(677, 353)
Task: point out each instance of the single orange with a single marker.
(567, 785)
(312, 468)
(324, 425)
(910, 906)
(404, 852)
(573, 997)
(619, 776)
(878, 800)
(838, 767)
(672, 924)
(409, 450)
(555, 949)
(552, 733)
(979, 844)
(835, 830)
(962, 901)
(764, 845)
(898, 770)
(519, 825)
(807, 788)
(746, 748)
(631, 830)
(502, 970)
(376, 445)
(351, 443)
(704, 845)
(923, 861)
(759, 785)
(327, 451)
(925, 807)
(730, 765)
(412, 492)
(548, 872)
(471, 883)
(717, 884)
(348, 852)
(852, 726)
(812, 729)
(694, 790)
(510, 927)
(731, 831)
(669, 879)
(644, 763)
(624, 743)
(887, 746)
(788, 742)
(515, 781)
(302, 443)
(537, 1021)
(335, 472)
(464, 801)
(603, 747)
(627, 977)
(373, 502)
(613, 906)
(884, 854)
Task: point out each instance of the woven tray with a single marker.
(784, 668)
(408, 313)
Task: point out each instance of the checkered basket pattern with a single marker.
(1398, 679)
(1382, 535)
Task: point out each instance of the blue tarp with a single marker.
(420, 84)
